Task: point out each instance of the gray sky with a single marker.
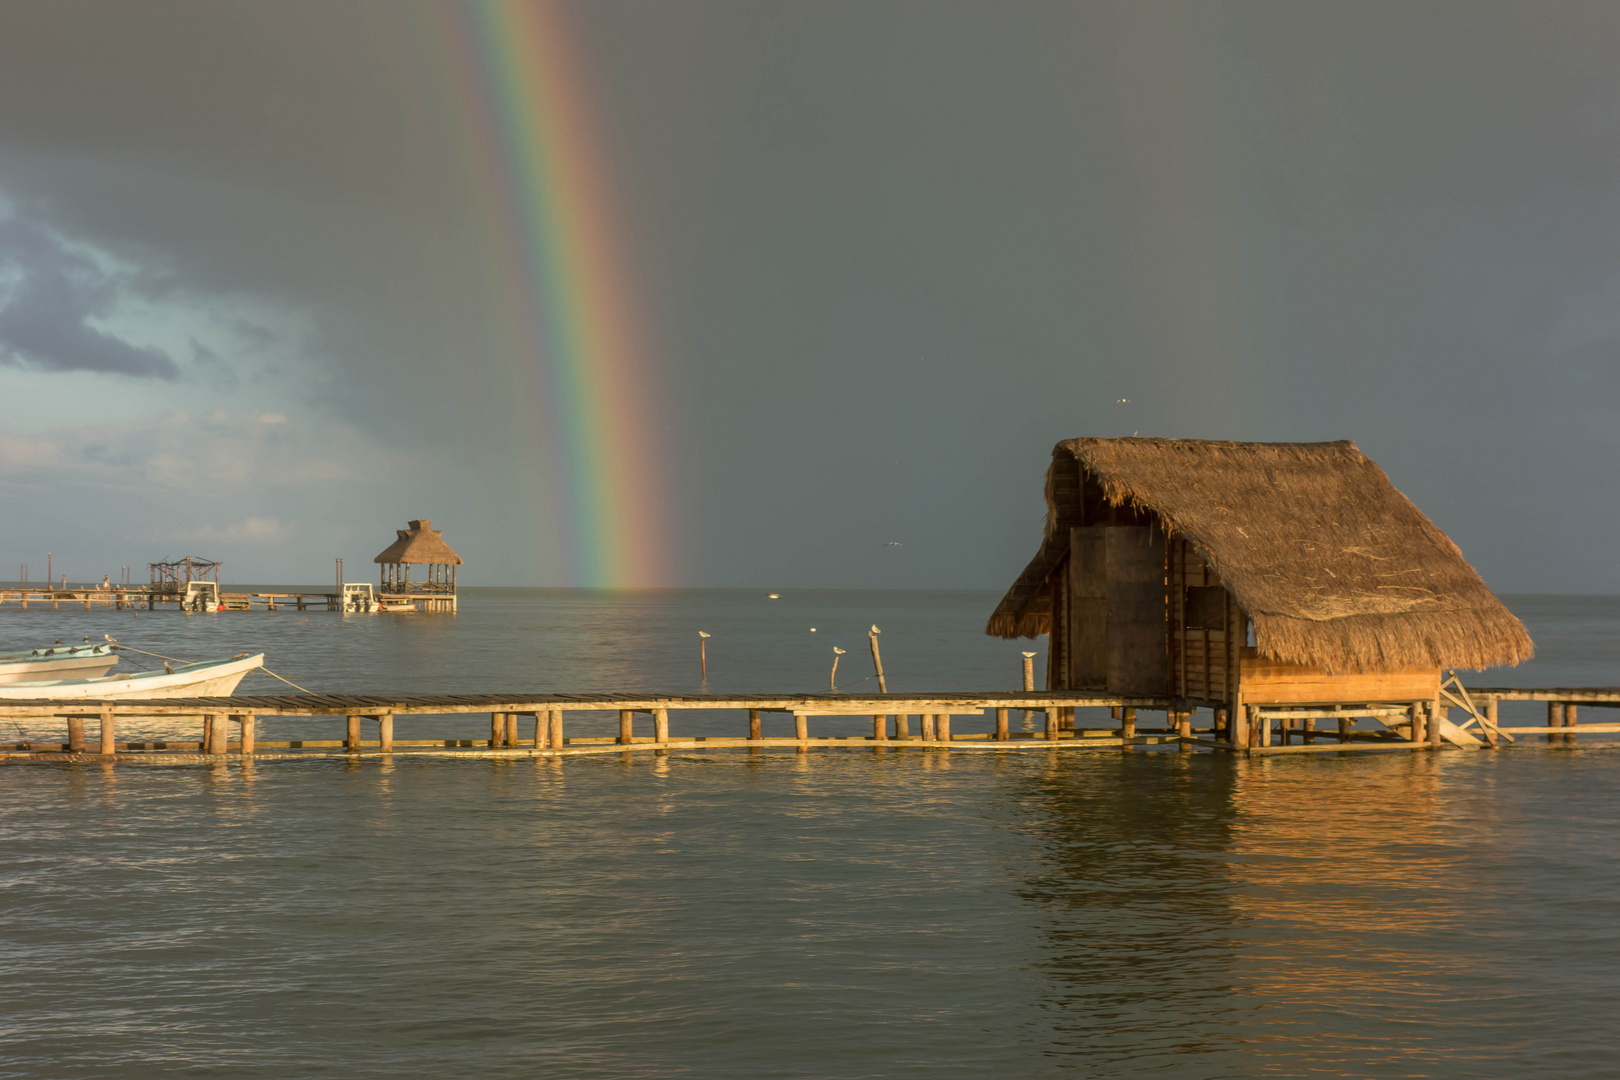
(884, 254)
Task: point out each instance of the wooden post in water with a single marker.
(1569, 721)
(902, 725)
(497, 730)
(703, 653)
(542, 729)
(1127, 724)
(1492, 710)
(1051, 725)
(1437, 717)
(661, 725)
(753, 724)
(1344, 729)
(942, 726)
(511, 740)
(929, 728)
(801, 730)
(218, 733)
(877, 659)
(832, 679)
(1309, 735)
(248, 743)
(556, 729)
(1555, 718)
(75, 734)
(1415, 713)
(109, 744)
(1002, 735)
(880, 727)
(1184, 728)
(351, 737)
(626, 727)
(385, 733)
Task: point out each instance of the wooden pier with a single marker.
(534, 725)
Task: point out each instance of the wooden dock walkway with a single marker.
(141, 597)
(890, 715)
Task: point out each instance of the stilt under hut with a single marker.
(420, 546)
(1252, 578)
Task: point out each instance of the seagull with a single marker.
(1122, 401)
(837, 651)
(893, 543)
(1029, 655)
(812, 629)
(702, 634)
(773, 596)
(875, 630)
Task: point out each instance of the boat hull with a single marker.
(26, 667)
(213, 679)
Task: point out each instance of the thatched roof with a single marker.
(1335, 567)
(419, 544)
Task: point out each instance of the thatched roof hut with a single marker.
(1329, 563)
(418, 545)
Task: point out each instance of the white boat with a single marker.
(211, 678)
(57, 662)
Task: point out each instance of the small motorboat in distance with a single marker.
(57, 662)
(210, 678)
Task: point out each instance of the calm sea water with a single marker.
(838, 914)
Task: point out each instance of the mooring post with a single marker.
(75, 734)
(1002, 734)
(351, 738)
(626, 727)
(661, 725)
(249, 739)
(108, 743)
(385, 733)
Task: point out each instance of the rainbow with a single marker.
(573, 312)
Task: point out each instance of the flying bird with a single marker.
(893, 543)
(1122, 401)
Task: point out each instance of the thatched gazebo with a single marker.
(1228, 574)
(420, 546)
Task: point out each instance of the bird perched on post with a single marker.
(703, 653)
(832, 680)
(877, 659)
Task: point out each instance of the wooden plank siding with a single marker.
(1268, 682)
(1199, 655)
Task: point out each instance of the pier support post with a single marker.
(1127, 723)
(218, 734)
(626, 727)
(1555, 718)
(556, 729)
(351, 738)
(1344, 729)
(1569, 721)
(109, 744)
(801, 731)
(1438, 713)
(930, 730)
(511, 740)
(385, 733)
(542, 729)
(942, 727)
(1184, 728)
(1415, 713)
(880, 727)
(1308, 731)
(75, 734)
(661, 725)
(497, 731)
(1051, 725)
(1002, 734)
(753, 724)
(249, 738)
(902, 725)
(1492, 709)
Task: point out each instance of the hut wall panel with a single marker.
(1137, 626)
(1267, 682)
(1088, 609)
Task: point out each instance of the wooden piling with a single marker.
(542, 729)
(753, 724)
(1555, 718)
(385, 733)
(1492, 711)
(1308, 732)
(902, 725)
(351, 736)
(801, 730)
(880, 727)
(1569, 721)
(249, 738)
(1051, 725)
(1127, 725)
(109, 744)
(1438, 715)
(1002, 734)
(511, 740)
(626, 727)
(75, 734)
(497, 731)
(661, 725)
(556, 729)
(1344, 729)
(218, 733)
(929, 727)
(1414, 712)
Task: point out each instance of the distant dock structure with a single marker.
(419, 545)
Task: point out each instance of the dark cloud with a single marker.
(55, 292)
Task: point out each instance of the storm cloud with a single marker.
(49, 295)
